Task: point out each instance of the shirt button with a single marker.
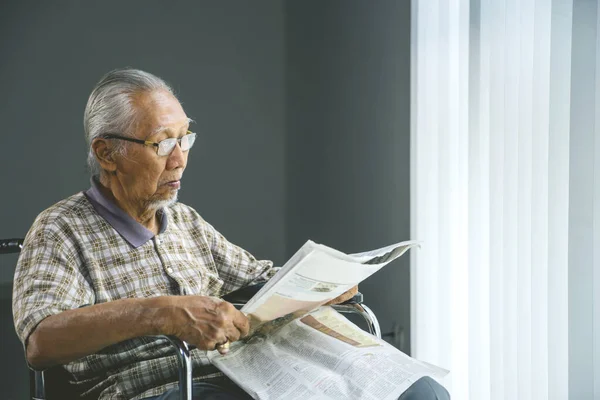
(157, 241)
(170, 270)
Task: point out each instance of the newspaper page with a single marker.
(313, 276)
(321, 356)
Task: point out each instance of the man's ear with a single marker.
(103, 152)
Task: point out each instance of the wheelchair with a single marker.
(53, 383)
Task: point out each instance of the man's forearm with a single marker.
(72, 334)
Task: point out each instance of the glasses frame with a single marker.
(150, 143)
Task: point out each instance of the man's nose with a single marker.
(177, 158)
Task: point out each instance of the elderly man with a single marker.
(103, 269)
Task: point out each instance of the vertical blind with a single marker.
(505, 194)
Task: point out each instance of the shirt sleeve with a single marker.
(48, 278)
(236, 266)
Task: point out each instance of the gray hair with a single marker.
(110, 108)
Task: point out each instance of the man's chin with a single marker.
(157, 204)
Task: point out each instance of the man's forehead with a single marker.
(161, 111)
(176, 126)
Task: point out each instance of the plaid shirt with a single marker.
(77, 253)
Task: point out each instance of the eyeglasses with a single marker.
(164, 147)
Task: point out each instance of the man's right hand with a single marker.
(202, 321)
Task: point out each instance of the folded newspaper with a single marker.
(300, 351)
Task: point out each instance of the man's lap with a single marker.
(425, 388)
(213, 389)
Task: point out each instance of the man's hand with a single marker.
(204, 322)
(343, 297)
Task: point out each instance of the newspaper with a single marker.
(295, 352)
(315, 275)
(321, 356)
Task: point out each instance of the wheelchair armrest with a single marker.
(356, 299)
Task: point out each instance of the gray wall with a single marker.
(348, 126)
(224, 58)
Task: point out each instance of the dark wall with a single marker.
(348, 126)
(225, 59)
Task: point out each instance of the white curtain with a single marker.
(505, 194)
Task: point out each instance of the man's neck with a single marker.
(144, 215)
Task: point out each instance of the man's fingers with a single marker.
(241, 323)
(233, 334)
(223, 348)
(213, 344)
(236, 321)
(214, 322)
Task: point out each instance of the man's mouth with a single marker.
(173, 184)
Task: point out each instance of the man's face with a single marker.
(147, 179)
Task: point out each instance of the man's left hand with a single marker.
(343, 297)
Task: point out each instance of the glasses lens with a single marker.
(188, 141)
(165, 147)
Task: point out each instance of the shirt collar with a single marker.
(132, 231)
